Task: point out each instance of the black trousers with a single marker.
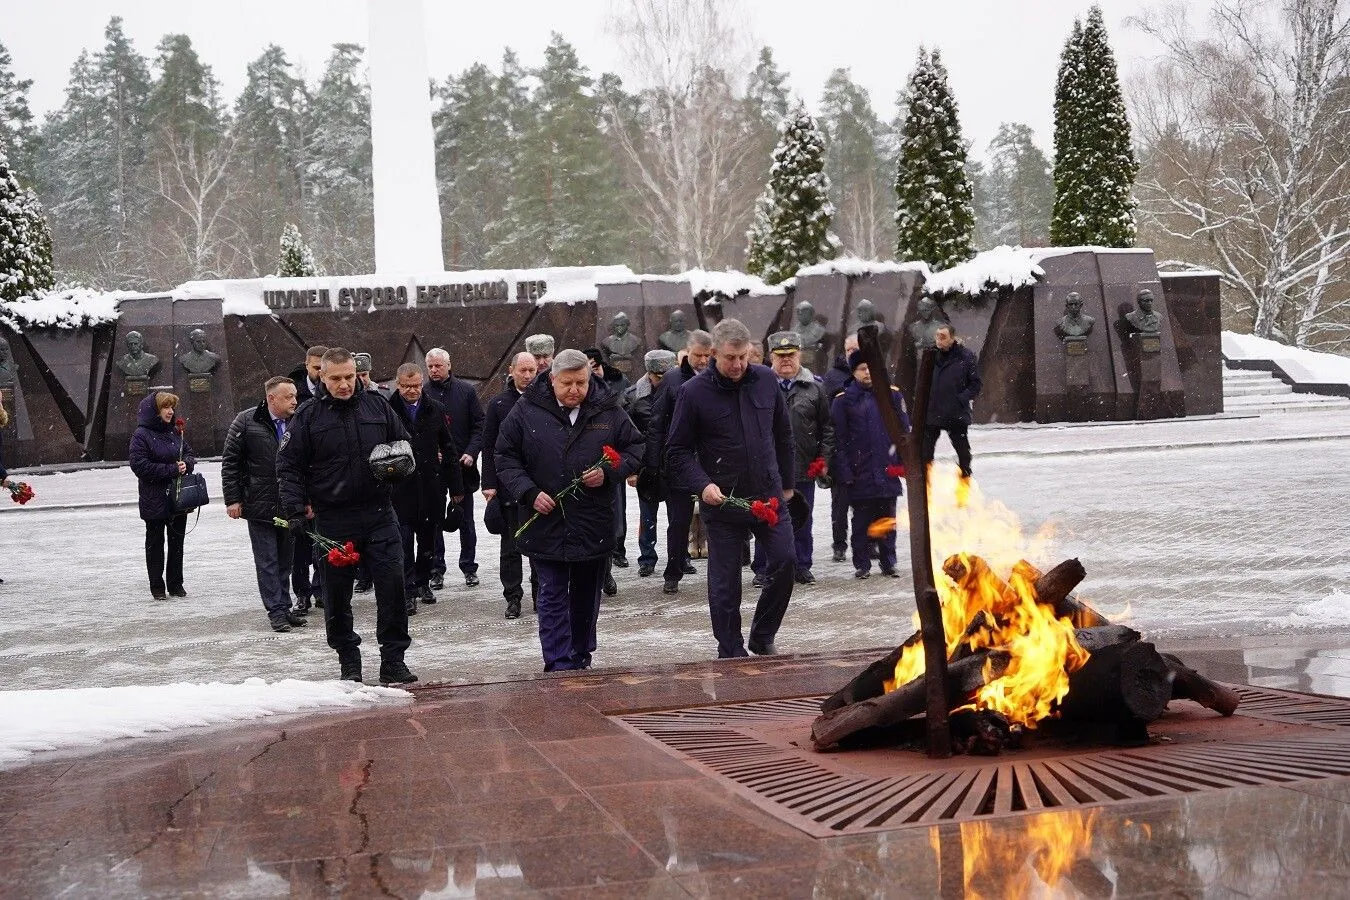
(679, 516)
(305, 573)
(417, 560)
(509, 561)
(160, 568)
(839, 517)
(374, 531)
(960, 443)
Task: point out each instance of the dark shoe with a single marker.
(620, 561)
(471, 579)
(609, 587)
(318, 603)
(302, 606)
(410, 604)
(177, 592)
(804, 576)
(281, 625)
(513, 609)
(646, 571)
(437, 582)
(758, 581)
(890, 573)
(670, 587)
(158, 595)
(761, 649)
(689, 568)
(967, 473)
(395, 673)
(296, 621)
(862, 573)
(351, 666)
(362, 586)
(425, 595)
(840, 556)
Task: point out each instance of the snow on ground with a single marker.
(39, 721)
(1302, 365)
(1332, 611)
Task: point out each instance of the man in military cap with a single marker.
(364, 363)
(812, 433)
(541, 347)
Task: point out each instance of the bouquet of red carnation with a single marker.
(609, 459)
(816, 469)
(895, 471)
(764, 510)
(339, 553)
(20, 492)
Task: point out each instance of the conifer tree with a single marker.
(25, 241)
(934, 214)
(1094, 162)
(16, 119)
(792, 218)
(297, 260)
(858, 166)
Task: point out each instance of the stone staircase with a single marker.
(1255, 391)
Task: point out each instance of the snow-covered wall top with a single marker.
(851, 265)
(1004, 266)
(700, 281)
(72, 308)
(1303, 366)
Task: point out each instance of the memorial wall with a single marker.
(1098, 336)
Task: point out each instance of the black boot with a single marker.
(410, 602)
(425, 595)
(513, 609)
(350, 661)
(395, 672)
(609, 587)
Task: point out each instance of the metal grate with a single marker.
(752, 748)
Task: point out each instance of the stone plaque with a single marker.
(199, 384)
(1150, 343)
(136, 387)
(1075, 346)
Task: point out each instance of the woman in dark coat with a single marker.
(555, 433)
(159, 454)
(863, 454)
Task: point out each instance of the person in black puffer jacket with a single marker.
(555, 433)
(956, 382)
(158, 455)
(519, 376)
(248, 475)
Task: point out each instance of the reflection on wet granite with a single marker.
(530, 789)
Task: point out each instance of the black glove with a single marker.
(297, 524)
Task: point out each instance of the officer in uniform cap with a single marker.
(363, 366)
(323, 465)
(542, 348)
(812, 432)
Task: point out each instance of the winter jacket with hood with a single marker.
(862, 448)
(156, 448)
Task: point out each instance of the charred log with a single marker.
(1126, 685)
(869, 682)
(980, 732)
(961, 681)
(1188, 684)
(1094, 639)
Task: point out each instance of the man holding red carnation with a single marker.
(731, 444)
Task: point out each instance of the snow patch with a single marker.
(38, 721)
(1304, 366)
(71, 308)
(728, 284)
(1004, 266)
(853, 266)
(1329, 611)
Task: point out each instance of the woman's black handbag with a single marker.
(188, 492)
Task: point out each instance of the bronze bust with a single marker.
(621, 345)
(676, 336)
(1143, 318)
(9, 372)
(924, 330)
(1075, 323)
(199, 360)
(136, 363)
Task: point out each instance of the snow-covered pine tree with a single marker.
(792, 218)
(297, 260)
(1094, 162)
(934, 213)
(25, 241)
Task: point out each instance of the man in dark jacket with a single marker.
(248, 475)
(323, 465)
(730, 436)
(306, 567)
(637, 402)
(956, 382)
(559, 431)
(465, 413)
(679, 503)
(835, 381)
(812, 434)
(519, 376)
(419, 501)
(306, 377)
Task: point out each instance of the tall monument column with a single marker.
(407, 209)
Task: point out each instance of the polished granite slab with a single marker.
(530, 788)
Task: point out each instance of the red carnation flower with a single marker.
(895, 471)
(20, 492)
(611, 456)
(816, 469)
(180, 425)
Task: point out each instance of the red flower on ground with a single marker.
(611, 456)
(816, 469)
(895, 471)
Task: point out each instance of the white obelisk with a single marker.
(407, 211)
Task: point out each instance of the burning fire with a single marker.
(1039, 854)
(980, 609)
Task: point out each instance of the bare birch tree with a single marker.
(190, 182)
(691, 151)
(1243, 127)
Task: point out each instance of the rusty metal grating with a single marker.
(1278, 737)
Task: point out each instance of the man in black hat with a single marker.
(323, 465)
(812, 435)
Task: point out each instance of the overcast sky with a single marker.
(1002, 54)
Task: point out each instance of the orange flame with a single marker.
(980, 609)
(1027, 858)
(881, 527)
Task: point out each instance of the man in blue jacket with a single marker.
(465, 415)
(956, 382)
(730, 436)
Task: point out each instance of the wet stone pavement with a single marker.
(500, 783)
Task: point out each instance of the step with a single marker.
(1285, 403)
(1266, 389)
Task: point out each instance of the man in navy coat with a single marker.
(465, 417)
(730, 436)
